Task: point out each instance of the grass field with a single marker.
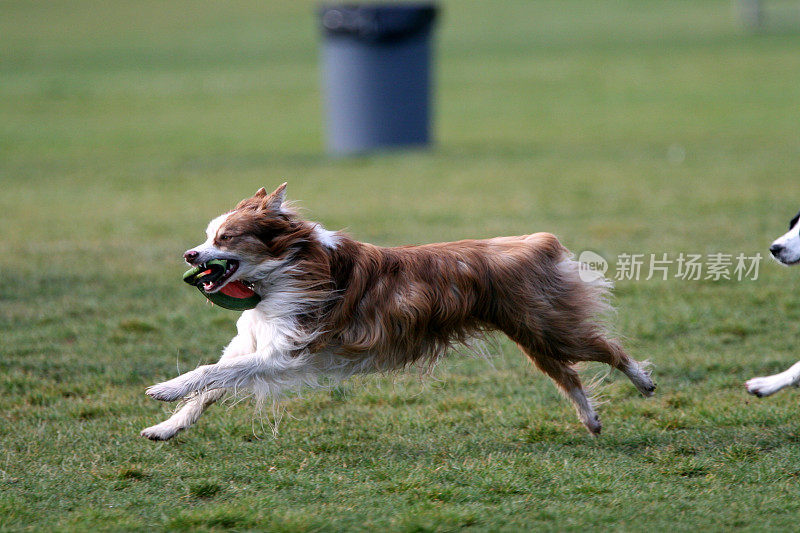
(624, 127)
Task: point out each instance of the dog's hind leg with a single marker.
(184, 417)
(608, 351)
(568, 381)
(576, 334)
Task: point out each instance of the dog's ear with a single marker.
(260, 193)
(274, 199)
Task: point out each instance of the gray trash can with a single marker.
(377, 75)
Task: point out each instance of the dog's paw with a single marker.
(593, 424)
(764, 386)
(168, 391)
(639, 374)
(648, 389)
(162, 431)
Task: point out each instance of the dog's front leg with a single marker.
(188, 414)
(183, 385)
(765, 386)
(184, 417)
(278, 369)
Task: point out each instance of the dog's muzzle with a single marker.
(211, 276)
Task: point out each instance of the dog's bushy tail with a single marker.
(590, 288)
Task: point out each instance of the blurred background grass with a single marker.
(625, 127)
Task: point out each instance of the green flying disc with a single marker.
(235, 295)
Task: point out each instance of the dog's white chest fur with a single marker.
(266, 333)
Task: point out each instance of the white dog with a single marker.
(785, 249)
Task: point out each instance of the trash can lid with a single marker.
(377, 23)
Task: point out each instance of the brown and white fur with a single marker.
(332, 307)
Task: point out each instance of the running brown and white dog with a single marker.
(332, 307)
(786, 250)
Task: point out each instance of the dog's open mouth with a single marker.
(213, 279)
(213, 275)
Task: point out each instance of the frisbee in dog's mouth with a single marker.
(211, 279)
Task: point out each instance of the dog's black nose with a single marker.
(775, 249)
(190, 256)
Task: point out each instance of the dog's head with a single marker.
(786, 248)
(255, 239)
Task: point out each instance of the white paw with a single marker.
(765, 386)
(162, 431)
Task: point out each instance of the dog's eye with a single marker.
(224, 237)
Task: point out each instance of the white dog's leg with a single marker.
(764, 386)
(187, 415)
(277, 369)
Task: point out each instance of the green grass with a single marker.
(124, 127)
